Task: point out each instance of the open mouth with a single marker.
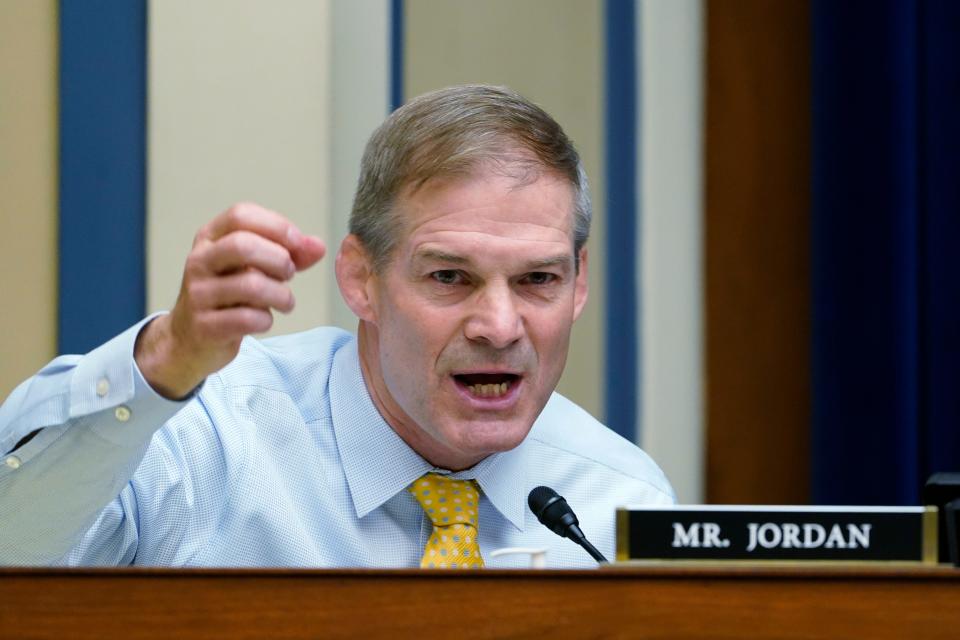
(487, 385)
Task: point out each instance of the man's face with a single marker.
(470, 321)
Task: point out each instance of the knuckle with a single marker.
(194, 263)
(252, 285)
(192, 290)
(266, 321)
(237, 243)
(235, 214)
(196, 293)
(244, 210)
(256, 319)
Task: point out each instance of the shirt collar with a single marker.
(503, 479)
(378, 464)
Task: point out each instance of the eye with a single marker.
(540, 278)
(447, 276)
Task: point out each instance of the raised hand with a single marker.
(235, 276)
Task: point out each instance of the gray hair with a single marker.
(452, 132)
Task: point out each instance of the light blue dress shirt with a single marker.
(280, 459)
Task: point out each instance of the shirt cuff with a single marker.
(119, 404)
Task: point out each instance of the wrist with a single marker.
(163, 362)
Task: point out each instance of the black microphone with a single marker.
(554, 513)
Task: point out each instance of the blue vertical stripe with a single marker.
(622, 341)
(396, 53)
(102, 169)
(886, 295)
(940, 140)
(866, 253)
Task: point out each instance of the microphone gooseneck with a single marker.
(554, 513)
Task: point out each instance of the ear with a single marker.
(581, 286)
(355, 274)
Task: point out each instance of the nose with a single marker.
(494, 318)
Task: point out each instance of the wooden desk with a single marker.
(650, 602)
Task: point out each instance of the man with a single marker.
(182, 442)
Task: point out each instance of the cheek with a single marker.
(410, 347)
(552, 342)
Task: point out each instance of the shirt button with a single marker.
(122, 413)
(103, 387)
(13, 462)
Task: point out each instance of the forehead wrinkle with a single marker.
(463, 236)
(434, 248)
(501, 222)
(446, 257)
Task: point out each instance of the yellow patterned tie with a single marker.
(452, 506)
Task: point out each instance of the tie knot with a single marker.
(452, 507)
(447, 501)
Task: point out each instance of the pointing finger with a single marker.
(309, 250)
(247, 216)
(241, 249)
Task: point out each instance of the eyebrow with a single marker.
(452, 258)
(556, 261)
(440, 256)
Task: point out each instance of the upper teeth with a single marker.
(489, 390)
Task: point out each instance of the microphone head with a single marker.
(540, 498)
(552, 510)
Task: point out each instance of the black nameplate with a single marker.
(712, 532)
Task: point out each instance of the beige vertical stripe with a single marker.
(28, 188)
(239, 110)
(360, 82)
(670, 186)
(551, 51)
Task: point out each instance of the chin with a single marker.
(488, 439)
